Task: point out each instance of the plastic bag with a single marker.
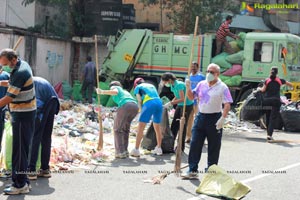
(291, 117)
(236, 69)
(236, 58)
(234, 46)
(241, 40)
(252, 109)
(149, 140)
(220, 60)
(6, 151)
(217, 183)
(234, 80)
(67, 90)
(77, 91)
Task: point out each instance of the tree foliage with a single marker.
(70, 22)
(183, 13)
(45, 2)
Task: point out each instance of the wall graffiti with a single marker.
(54, 59)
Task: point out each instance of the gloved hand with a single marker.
(167, 105)
(99, 91)
(187, 83)
(220, 123)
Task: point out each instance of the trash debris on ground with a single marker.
(217, 183)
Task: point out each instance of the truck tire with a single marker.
(278, 122)
(245, 94)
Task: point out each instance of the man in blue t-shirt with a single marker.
(47, 107)
(195, 78)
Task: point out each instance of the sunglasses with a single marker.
(211, 72)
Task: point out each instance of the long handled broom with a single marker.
(18, 43)
(100, 140)
(177, 167)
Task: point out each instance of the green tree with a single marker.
(72, 10)
(183, 13)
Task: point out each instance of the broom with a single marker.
(18, 43)
(159, 178)
(100, 140)
(177, 167)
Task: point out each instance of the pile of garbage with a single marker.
(66, 92)
(231, 64)
(76, 133)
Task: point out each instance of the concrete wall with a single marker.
(9, 40)
(13, 13)
(53, 60)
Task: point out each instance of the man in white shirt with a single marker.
(212, 94)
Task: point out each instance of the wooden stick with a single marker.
(18, 43)
(100, 140)
(182, 120)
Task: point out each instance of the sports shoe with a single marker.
(13, 190)
(189, 175)
(32, 177)
(44, 173)
(157, 151)
(270, 138)
(135, 152)
(126, 153)
(121, 155)
(9, 185)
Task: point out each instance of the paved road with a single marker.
(123, 179)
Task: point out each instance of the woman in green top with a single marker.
(179, 90)
(126, 112)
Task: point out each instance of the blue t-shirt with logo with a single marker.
(195, 79)
(147, 92)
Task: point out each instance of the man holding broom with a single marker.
(212, 93)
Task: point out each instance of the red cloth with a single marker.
(59, 90)
(234, 70)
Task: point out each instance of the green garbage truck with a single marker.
(143, 53)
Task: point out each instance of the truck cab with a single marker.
(264, 50)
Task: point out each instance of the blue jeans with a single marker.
(42, 136)
(205, 127)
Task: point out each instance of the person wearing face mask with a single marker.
(195, 78)
(271, 102)
(212, 94)
(179, 90)
(22, 106)
(126, 112)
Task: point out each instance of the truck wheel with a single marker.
(245, 95)
(278, 125)
(262, 122)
